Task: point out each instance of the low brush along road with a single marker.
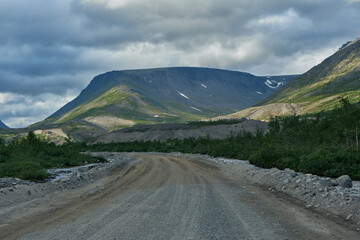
(168, 197)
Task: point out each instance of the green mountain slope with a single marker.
(317, 90)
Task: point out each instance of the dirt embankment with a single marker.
(267, 111)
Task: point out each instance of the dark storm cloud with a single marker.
(50, 50)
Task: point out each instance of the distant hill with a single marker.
(119, 99)
(2, 125)
(317, 90)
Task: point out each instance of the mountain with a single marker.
(317, 90)
(2, 125)
(118, 99)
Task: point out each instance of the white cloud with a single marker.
(111, 4)
(289, 20)
(6, 97)
(296, 63)
(19, 111)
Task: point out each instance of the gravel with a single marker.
(339, 197)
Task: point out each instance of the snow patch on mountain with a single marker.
(203, 85)
(196, 109)
(273, 84)
(183, 95)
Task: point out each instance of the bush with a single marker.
(29, 157)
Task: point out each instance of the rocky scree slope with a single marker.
(317, 90)
(119, 99)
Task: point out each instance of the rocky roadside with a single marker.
(338, 197)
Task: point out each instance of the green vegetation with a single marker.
(324, 144)
(113, 96)
(29, 157)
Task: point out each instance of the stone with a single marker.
(334, 182)
(344, 181)
(325, 182)
(287, 181)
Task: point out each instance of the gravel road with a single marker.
(169, 197)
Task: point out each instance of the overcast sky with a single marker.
(51, 49)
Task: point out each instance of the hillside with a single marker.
(317, 90)
(119, 99)
(2, 125)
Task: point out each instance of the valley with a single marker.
(305, 156)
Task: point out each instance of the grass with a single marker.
(112, 96)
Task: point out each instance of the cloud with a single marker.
(287, 21)
(20, 110)
(54, 48)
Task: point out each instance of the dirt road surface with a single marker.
(167, 197)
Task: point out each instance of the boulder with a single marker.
(344, 181)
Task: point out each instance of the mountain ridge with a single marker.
(345, 63)
(159, 95)
(95, 87)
